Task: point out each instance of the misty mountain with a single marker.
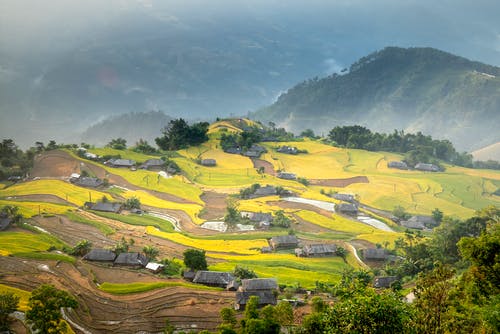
(131, 126)
(414, 89)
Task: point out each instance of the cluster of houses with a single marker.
(420, 166)
(128, 259)
(259, 219)
(254, 151)
(287, 150)
(419, 222)
(85, 181)
(349, 205)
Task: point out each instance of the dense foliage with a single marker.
(416, 147)
(195, 259)
(179, 134)
(8, 304)
(45, 306)
(13, 161)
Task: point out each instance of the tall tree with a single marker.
(45, 308)
(8, 304)
(195, 259)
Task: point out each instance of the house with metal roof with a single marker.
(100, 255)
(136, 260)
(213, 278)
(284, 241)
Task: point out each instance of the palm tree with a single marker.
(151, 252)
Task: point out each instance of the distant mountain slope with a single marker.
(132, 127)
(415, 89)
(490, 152)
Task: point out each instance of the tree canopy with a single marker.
(179, 134)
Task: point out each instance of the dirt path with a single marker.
(339, 183)
(268, 167)
(215, 205)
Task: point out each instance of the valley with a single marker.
(119, 300)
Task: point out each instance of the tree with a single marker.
(118, 144)
(45, 308)
(8, 304)
(151, 252)
(81, 248)
(232, 216)
(400, 212)
(178, 134)
(251, 308)
(318, 304)
(284, 314)
(281, 220)
(432, 299)
(195, 259)
(308, 133)
(437, 215)
(133, 203)
(228, 316)
(244, 273)
(342, 252)
(142, 146)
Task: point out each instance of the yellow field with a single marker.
(147, 199)
(336, 222)
(222, 246)
(23, 295)
(125, 154)
(61, 189)
(30, 209)
(380, 237)
(19, 242)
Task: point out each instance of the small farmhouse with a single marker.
(123, 163)
(347, 209)
(153, 164)
(284, 241)
(104, 206)
(208, 162)
(397, 165)
(259, 284)
(287, 176)
(100, 255)
(317, 250)
(89, 182)
(154, 267)
(264, 191)
(265, 298)
(136, 260)
(419, 222)
(344, 197)
(426, 167)
(213, 278)
(384, 281)
(377, 254)
(4, 221)
(287, 150)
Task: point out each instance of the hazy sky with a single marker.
(470, 28)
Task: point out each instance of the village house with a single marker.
(397, 165)
(419, 222)
(89, 182)
(100, 255)
(283, 242)
(120, 163)
(104, 206)
(316, 250)
(213, 278)
(287, 150)
(264, 191)
(262, 220)
(266, 250)
(5, 221)
(233, 150)
(287, 176)
(345, 197)
(154, 267)
(377, 254)
(347, 209)
(153, 164)
(384, 281)
(426, 167)
(189, 275)
(264, 288)
(135, 260)
(208, 162)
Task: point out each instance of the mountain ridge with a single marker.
(414, 89)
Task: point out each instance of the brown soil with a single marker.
(268, 167)
(59, 164)
(215, 205)
(41, 198)
(100, 312)
(339, 183)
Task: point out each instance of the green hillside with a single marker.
(415, 89)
